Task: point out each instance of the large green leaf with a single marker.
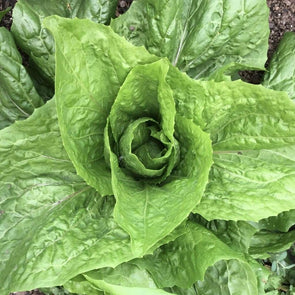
(18, 97)
(199, 36)
(253, 134)
(197, 255)
(185, 260)
(36, 41)
(250, 185)
(126, 279)
(236, 234)
(52, 225)
(230, 277)
(281, 70)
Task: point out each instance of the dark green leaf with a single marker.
(18, 97)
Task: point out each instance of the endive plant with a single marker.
(136, 178)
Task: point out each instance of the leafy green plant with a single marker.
(136, 178)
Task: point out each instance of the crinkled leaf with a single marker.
(236, 234)
(18, 97)
(199, 36)
(182, 260)
(36, 41)
(53, 226)
(250, 185)
(124, 275)
(281, 70)
(185, 260)
(230, 277)
(253, 134)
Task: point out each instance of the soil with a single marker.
(281, 20)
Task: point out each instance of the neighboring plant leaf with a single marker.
(53, 226)
(197, 36)
(281, 70)
(3, 12)
(18, 97)
(264, 243)
(36, 41)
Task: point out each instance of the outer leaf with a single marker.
(121, 290)
(231, 277)
(91, 68)
(36, 41)
(253, 135)
(251, 185)
(186, 260)
(52, 225)
(199, 36)
(18, 97)
(236, 234)
(79, 285)
(126, 279)
(281, 70)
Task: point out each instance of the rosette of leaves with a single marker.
(133, 144)
(141, 136)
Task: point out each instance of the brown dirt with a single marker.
(7, 19)
(281, 20)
